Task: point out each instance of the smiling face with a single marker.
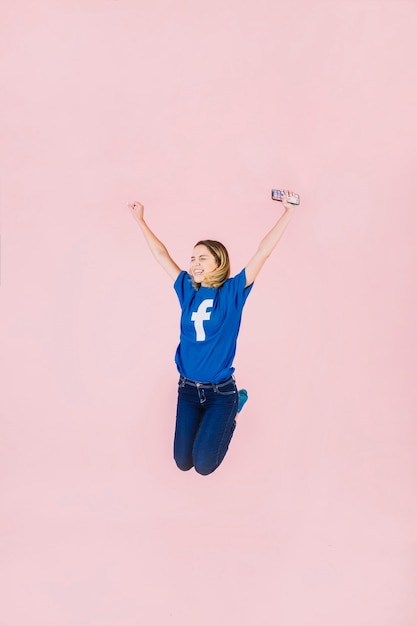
(202, 263)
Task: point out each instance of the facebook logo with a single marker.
(199, 316)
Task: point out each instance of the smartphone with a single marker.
(277, 194)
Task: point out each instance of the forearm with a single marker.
(155, 245)
(271, 239)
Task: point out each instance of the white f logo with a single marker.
(199, 316)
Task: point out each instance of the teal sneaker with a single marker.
(242, 396)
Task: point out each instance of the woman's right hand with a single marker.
(137, 210)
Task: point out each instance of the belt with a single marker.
(187, 381)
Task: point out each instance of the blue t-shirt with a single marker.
(210, 323)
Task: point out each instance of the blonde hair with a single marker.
(217, 277)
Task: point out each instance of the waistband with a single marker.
(187, 381)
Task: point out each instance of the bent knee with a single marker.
(183, 464)
(205, 466)
(204, 471)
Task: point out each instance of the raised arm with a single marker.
(269, 242)
(157, 248)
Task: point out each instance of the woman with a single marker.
(212, 304)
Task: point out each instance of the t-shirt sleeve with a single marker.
(239, 291)
(183, 286)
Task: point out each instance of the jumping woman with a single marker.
(211, 304)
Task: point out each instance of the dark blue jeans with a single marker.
(205, 424)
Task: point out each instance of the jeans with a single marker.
(205, 424)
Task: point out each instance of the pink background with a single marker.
(198, 110)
